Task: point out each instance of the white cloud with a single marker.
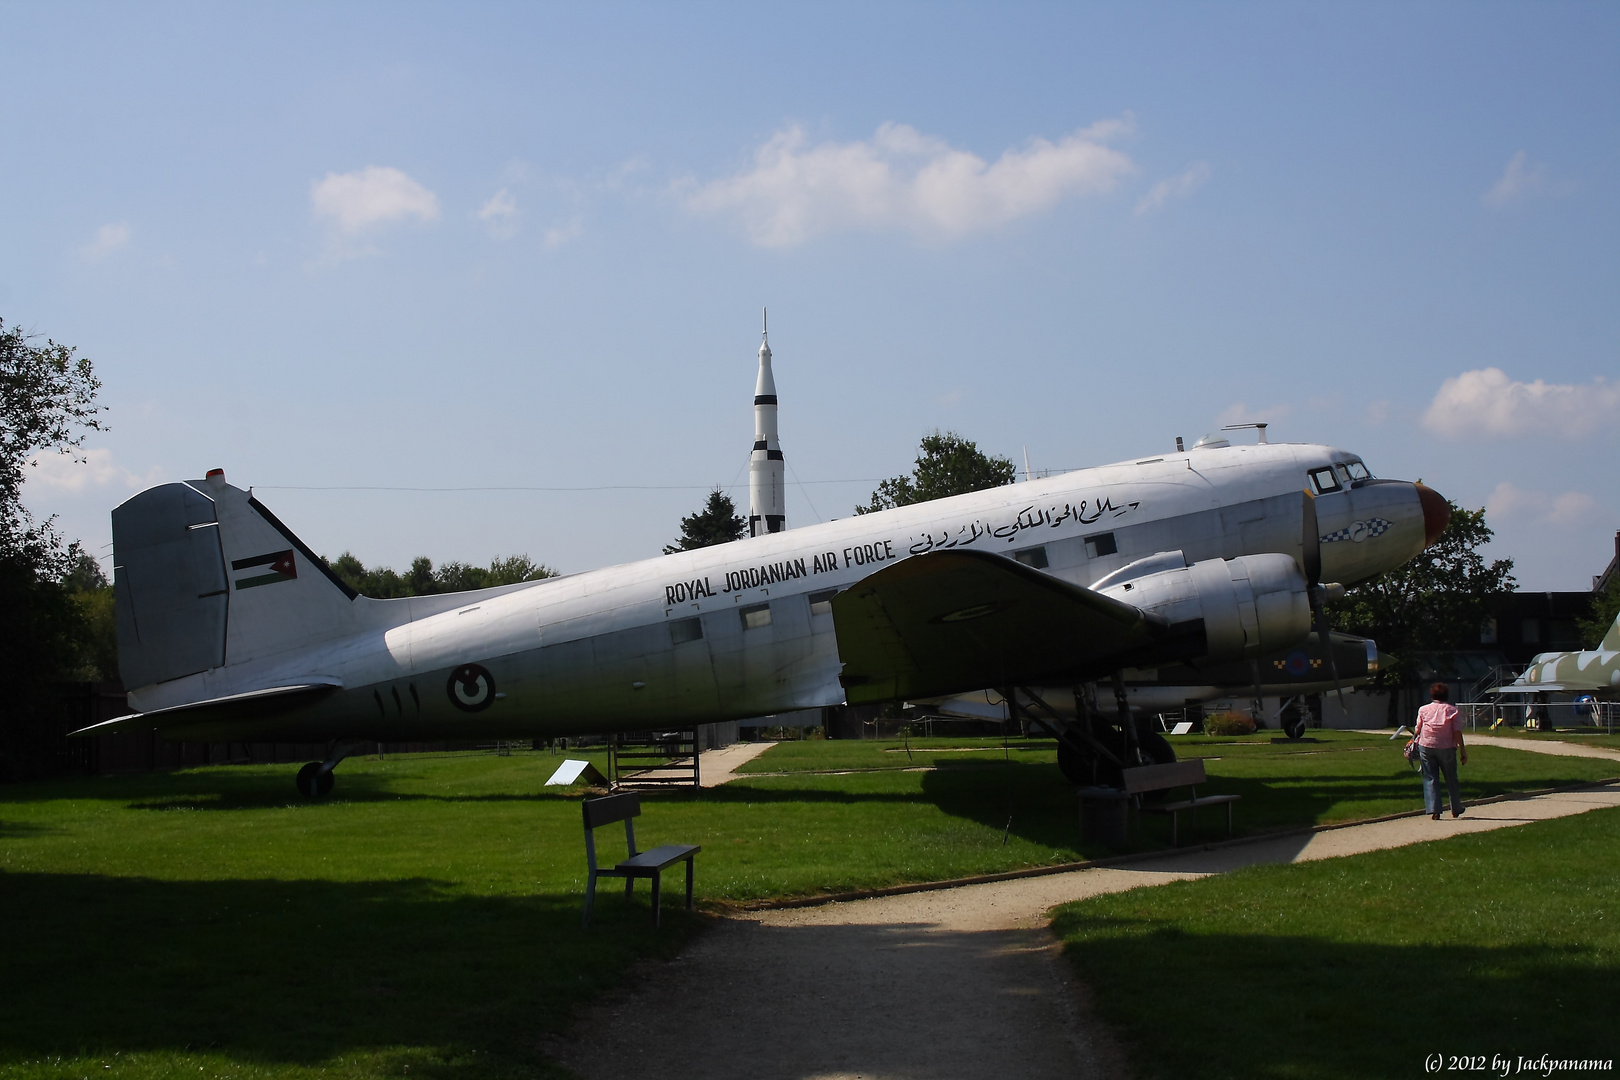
(903, 179)
(1510, 501)
(1487, 403)
(1176, 187)
(1377, 413)
(358, 201)
(88, 469)
(500, 215)
(109, 238)
(558, 235)
(1519, 179)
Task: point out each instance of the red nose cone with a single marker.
(1436, 513)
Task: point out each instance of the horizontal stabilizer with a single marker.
(237, 707)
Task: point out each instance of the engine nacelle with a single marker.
(1250, 605)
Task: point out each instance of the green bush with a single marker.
(1229, 723)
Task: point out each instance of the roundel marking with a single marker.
(1297, 663)
(471, 688)
(1358, 531)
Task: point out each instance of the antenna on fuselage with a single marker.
(1260, 429)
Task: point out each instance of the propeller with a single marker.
(1312, 559)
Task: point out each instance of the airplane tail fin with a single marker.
(205, 576)
(1611, 640)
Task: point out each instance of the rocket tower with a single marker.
(767, 511)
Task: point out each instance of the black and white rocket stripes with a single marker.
(767, 502)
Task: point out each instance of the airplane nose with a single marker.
(1436, 513)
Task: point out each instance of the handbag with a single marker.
(1411, 751)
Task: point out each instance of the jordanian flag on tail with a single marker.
(279, 564)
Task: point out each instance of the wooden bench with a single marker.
(647, 864)
(1148, 778)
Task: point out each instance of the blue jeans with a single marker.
(1434, 759)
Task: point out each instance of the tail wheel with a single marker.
(1294, 727)
(313, 783)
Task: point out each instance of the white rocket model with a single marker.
(767, 494)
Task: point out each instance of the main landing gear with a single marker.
(1095, 747)
(315, 780)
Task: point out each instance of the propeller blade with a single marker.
(1311, 540)
(1319, 615)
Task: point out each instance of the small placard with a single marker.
(575, 771)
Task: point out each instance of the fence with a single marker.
(1510, 712)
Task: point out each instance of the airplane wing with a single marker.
(256, 705)
(951, 621)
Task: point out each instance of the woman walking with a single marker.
(1440, 742)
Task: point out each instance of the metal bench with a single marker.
(1109, 803)
(647, 864)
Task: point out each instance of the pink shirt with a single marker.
(1438, 725)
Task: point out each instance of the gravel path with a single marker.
(959, 983)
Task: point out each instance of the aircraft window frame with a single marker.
(755, 616)
(683, 630)
(1321, 488)
(1355, 464)
(1034, 558)
(821, 602)
(1101, 545)
(1343, 472)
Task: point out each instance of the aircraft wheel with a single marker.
(1085, 769)
(1294, 728)
(312, 783)
(1154, 744)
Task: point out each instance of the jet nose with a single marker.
(1436, 513)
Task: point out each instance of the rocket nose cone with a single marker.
(1436, 513)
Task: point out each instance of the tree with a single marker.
(947, 465)
(422, 579)
(717, 523)
(47, 405)
(1605, 606)
(1425, 607)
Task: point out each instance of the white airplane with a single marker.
(231, 629)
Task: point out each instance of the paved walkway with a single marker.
(716, 767)
(959, 983)
(1556, 747)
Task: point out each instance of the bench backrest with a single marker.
(611, 808)
(1159, 777)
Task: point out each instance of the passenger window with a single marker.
(1358, 471)
(1323, 481)
(1035, 557)
(821, 602)
(1100, 545)
(684, 630)
(755, 616)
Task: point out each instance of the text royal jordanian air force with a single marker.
(1086, 512)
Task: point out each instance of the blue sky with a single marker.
(484, 246)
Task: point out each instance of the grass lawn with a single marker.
(427, 914)
(1502, 943)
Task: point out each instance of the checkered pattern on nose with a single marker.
(1372, 526)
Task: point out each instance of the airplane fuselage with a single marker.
(746, 629)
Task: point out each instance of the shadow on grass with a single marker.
(1288, 1006)
(298, 972)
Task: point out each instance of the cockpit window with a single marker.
(1358, 471)
(1343, 471)
(1323, 481)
